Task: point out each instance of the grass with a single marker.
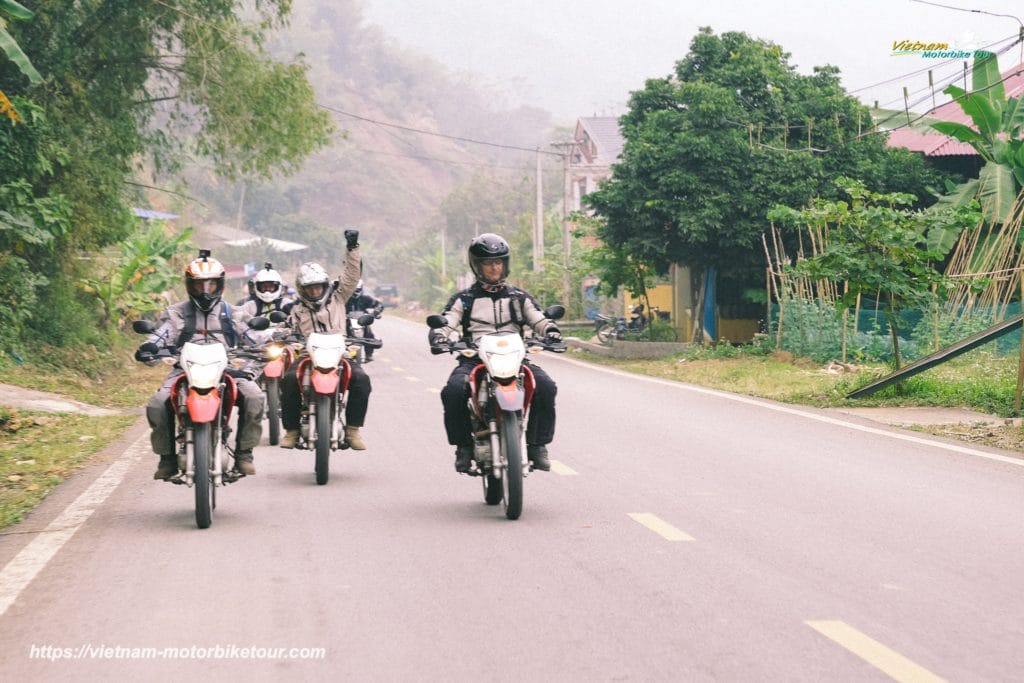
(40, 450)
(978, 381)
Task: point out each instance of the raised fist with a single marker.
(352, 238)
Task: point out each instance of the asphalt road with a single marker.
(682, 535)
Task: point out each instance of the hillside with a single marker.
(387, 180)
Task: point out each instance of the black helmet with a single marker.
(486, 247)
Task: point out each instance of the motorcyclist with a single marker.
(268, 295)
(321, 308)
(250, 292)
(491, 305)
(361, 302)
(204, 315)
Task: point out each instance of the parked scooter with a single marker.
(202, 399)
(607, 328)
(501, 388)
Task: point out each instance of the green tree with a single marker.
(135, 88)
(733, 132)
(876, 246)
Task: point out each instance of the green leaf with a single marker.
(997, 193)
(959, 131)
(14, 10)
(986, 79)
(14, 53)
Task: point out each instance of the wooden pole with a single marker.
(1020, 362)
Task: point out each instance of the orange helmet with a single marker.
(204, 281)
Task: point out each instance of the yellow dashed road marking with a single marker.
(895, 665)
(564, 470)
(660, 527)
(434, 390)
(412, 379)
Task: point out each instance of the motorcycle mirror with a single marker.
(365, 320)
(259, 323)
(277, 316)
(554, 311)
(143, 327)
(436, 321)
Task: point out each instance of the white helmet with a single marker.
(312, 285)
(268, 287)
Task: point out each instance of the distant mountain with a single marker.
(384, 178)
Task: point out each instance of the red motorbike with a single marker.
(324, 372)
(202, 399)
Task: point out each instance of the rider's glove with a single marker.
(147, 353)
(553, 333)
(437, 338)
(351, 239)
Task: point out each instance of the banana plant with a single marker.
(995, 136)
(10, 47)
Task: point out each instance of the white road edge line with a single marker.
(801, 413)
(24, 567)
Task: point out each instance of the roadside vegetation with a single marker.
(980, 380)
(40, 450)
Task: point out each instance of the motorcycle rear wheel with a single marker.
(493, 492)
(511, 449)
(202, 451)
(274, 411)
(323, 438)
(604, 334)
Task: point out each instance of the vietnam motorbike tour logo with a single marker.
(958, 49)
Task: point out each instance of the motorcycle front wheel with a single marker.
(203, 450)
(512, 451)
(323, 438)
(274, 411)
(604, 334)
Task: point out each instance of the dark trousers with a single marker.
(540, 427)
(358, 398)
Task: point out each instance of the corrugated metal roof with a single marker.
(930, 144)
(153, 215)
(934, 144)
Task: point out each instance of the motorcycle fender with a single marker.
(325, 383)
(202, 407)
(274, 368)
(509, 396)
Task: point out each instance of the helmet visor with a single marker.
(207, 287)
(268, 286)
(314, 291)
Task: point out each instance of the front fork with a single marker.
(306, 427)
(187, 440)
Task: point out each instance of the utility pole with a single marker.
(566, 149)
(444, 258)
(538, 222)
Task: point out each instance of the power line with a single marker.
(440, 135)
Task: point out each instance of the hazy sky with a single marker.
(579, 58)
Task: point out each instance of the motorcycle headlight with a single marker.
(274, 352)
(203, 375)
(504, 364)
(326, 357)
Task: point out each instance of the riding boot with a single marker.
(538, 455)
(167, 468)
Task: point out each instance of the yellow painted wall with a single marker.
(660, 297)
